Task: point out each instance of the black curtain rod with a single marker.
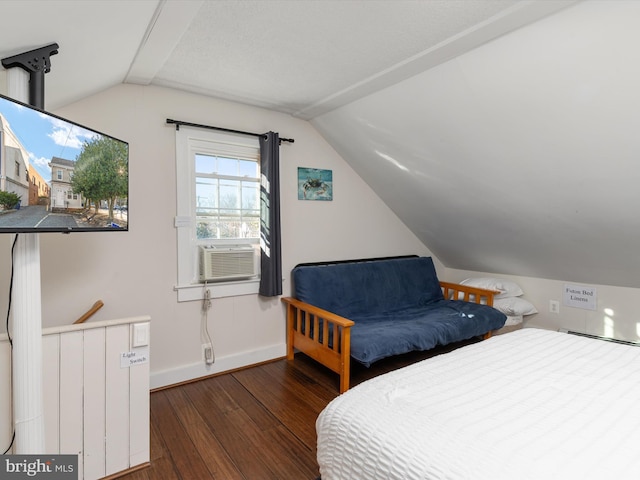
(177, 123)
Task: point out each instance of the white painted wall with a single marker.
(134, 273)
(616, 313)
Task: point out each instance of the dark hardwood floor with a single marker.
(252, 424)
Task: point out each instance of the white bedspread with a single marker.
(531, 404)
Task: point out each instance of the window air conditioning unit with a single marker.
(226, 263)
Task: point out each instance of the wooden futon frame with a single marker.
(336, 356)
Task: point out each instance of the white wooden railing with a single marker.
(96, 395)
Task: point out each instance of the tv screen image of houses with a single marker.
(59, 176)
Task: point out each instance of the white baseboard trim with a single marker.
(221, 365)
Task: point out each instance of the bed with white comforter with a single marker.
(531, 404)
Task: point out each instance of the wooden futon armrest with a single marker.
(304, 324)
(451, 291)
(312, 309)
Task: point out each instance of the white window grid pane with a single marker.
(227, 198)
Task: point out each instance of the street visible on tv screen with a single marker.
(59, 176)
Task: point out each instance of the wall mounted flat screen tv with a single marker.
(59, 176)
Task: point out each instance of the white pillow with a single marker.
(505, 287)
(512, 306)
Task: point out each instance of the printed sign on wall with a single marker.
(579, 296)
(137, 356)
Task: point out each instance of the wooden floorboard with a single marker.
(252, 424)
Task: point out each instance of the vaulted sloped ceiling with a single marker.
(519, 157)
(504, 133)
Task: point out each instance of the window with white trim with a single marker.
(218, 204)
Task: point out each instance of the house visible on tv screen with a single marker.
(63, 198)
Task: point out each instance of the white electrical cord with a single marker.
(209, 355)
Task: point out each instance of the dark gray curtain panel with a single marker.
(270, 250)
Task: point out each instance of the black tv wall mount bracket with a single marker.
(37, 63)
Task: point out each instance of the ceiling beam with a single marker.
(521, 14)
(170, 21)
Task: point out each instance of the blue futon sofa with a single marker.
(372, 309)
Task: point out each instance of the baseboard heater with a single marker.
(599, 337)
